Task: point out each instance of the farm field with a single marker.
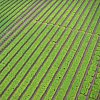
(49, 49)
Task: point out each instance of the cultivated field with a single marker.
(49, 49)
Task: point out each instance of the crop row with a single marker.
(8, 56)
(51, 51)
(23, 25)
(22, 19)
(8, 25)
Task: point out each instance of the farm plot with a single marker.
(50, 50)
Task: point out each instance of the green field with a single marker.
(49, 49)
